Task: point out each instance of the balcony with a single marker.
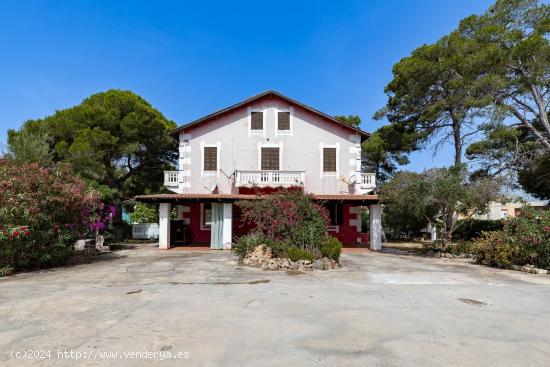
(269, 178)
(366, 183)
(172, 178)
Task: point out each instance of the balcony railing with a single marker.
(269, 178)
(366, 182)
(172, 178)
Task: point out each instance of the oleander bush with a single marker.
(289, 222)
(525, 239)
(43, 211)
(497, 249)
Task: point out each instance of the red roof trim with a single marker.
(364, 134)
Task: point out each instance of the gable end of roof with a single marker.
(364, 135)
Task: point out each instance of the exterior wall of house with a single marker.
(498, 210)
(349, 232)
(239, 149)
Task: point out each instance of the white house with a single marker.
(252, 148)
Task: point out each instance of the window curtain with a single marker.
(217, 227)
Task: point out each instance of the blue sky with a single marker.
(191, 58)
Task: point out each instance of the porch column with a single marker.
(227, 225)
(164, 226)
(433, 232)
(375, 219)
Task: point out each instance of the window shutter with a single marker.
(257, 121)
(270, 159)
(329, 159)
(284, 120)
(210, 158)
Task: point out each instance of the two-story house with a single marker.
(254, 147)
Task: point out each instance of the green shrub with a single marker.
(435, 246)
(294, 254)
(43, 211)
(525, 239)
(456, 248)
(460, 248)
(472, 228)
(497, 249)
(245, 244)
(331, 248)
(144, 213)
(288, 217)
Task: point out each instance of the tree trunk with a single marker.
(457, 140)
(450, 225)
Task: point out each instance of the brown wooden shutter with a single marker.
(210, 158)
(329, 159)
(284, 120)
(257, 121)
(270, 159)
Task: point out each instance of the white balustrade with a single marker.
(269, 178)
(171, 178)
(365, 183)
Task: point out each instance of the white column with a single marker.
(227, 225)
(375, 219)
(433, 232)
(164, 226)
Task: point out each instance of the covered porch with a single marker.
(214, 221)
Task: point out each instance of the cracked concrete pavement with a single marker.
(380, 309)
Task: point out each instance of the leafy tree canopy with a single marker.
(115, 140)
(431, 97)
(29, 147)
(437, 196)
(352, 120)
(511, 62)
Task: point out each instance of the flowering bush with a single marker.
(42, 213)
(290, 217)
(525, 239)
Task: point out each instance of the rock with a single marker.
(81, 245)
(515, 267)
(539, 271)
(262, 257)
(448, 255)
(527, 268)
(318, 265)
(430, 253)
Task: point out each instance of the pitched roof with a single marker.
(269, 93)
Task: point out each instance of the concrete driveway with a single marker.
(203, 309)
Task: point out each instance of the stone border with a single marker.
(262, 257)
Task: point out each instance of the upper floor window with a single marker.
(256, 121)
(329, 159)
(210, 159)
(270, 159)
(283, 120)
